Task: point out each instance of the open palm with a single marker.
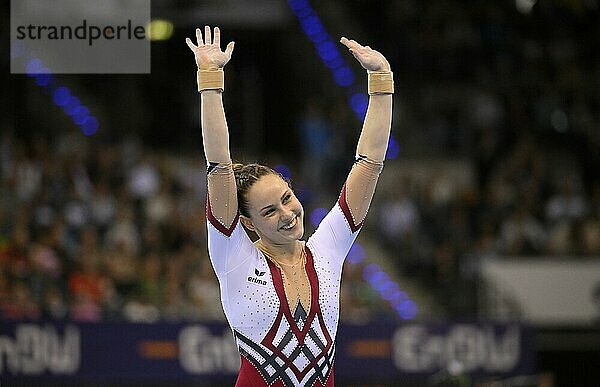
(370, 59)
(208, 50)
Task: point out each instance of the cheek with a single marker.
(299, 207)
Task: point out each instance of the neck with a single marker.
(287, 254)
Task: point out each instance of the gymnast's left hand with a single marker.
(370, 60)
(208, 52)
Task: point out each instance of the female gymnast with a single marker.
(281, 294)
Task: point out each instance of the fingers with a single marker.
(345, 42)
(217, 37)
(351, 44)
(190, 44)
(208, 39)
(229, 49)
(199, 37)
(207, 36)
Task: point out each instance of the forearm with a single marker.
(370, 151)
(221, 180)
(215, 134)
(372, 144)
(376, 128)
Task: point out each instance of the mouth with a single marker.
(291, 224)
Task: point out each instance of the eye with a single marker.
(287, 198)
(268, 212)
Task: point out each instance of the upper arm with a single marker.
(228, 247)
(221, 204)
(340, 227)
(228, 243)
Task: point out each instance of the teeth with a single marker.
(290, 225)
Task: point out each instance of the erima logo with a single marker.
(256, 280)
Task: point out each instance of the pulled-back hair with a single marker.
(245, 177)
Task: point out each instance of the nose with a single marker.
(287, 214)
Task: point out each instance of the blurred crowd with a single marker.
(441, 227)
(101, 233)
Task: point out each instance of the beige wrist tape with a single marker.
(381, 82)
(211, 80)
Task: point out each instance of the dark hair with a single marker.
(245, 177)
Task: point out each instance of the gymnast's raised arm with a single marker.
(221, 182)
(373, 141)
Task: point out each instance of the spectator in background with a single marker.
(567, 204)
(399, 225)
(316, 137)
(20, 304)
(521, 233)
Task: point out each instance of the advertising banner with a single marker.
(206, 351)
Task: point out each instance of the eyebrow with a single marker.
(271, 205)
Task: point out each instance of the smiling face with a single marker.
(276, 215)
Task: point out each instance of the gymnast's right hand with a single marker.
(208, 51)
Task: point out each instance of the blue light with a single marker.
(283, 170)
(298, 5)
(389, 291)
(397, 296)
(378, 279)
(393, 149)
(356, 253)
(304, 195)
(335, 63)
(90, 126)
(318, 38)
(81, 116)
(317, 215)
(327, 51)
(343, 76)
(72, 107)
(76, 111)
(304, 12)
(34, 67)
(43, 78)
(62, 96)
(385, 285)
(359, 103)
(407, 310)
(312, 26)
(370, 269)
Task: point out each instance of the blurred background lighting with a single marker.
(160, 29)
(525, 6)
(356, 254)
(393, 150)
(283, 170)
(61, 96)
(317, 215)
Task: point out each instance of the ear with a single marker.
(247, 223)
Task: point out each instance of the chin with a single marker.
(301, 231)
(301, 225)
